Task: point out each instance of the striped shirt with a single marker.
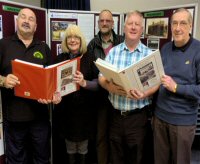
(121, 57)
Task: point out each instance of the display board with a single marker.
(157, 30)
(58, 21)
(8, 15)
(2, 156)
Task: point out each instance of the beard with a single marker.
(105, 33)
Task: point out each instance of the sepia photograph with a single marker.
(58, 29)
(157, 27)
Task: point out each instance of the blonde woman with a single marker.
(76, 110)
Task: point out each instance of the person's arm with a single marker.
(191, 91)
(136, 94)
(92, 85)
(111, 87)
(9, 81)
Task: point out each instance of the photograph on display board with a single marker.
(157, 27)
(58, 29)
(15, 22)
(1, 27)
(142, 36)
(58, 49)
(153, 43)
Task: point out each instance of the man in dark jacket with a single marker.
(100, 46)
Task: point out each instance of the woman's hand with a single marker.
(56, 99)
(79, 78)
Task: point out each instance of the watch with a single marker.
(2, 80)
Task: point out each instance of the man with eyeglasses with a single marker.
(175, 118)
(100, 46)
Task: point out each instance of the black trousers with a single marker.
(127, 136)
(27, 142)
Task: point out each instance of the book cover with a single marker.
(37, 81)
(141, 75)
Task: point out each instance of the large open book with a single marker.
(142, 75)
(37, 81)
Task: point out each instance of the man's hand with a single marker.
(11, 81)
(115, 89)
(136, 94)
(169, 83)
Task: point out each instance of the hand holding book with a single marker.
(141, 75)
(56, 99)
(79, 79)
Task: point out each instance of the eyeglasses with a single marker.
(76, 38)
(105, 20)
(181, 24)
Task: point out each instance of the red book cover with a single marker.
(38, 82)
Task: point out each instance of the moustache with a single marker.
(26, 25)
(104, 26)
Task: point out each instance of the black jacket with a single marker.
(95, 45)
(95, 48)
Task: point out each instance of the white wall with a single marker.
(28, 2)
(124, 6)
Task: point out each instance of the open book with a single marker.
(142, 75)
(37, 81)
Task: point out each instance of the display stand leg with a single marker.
(51, 107)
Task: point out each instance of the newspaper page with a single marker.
(147, 72)
(65, 73)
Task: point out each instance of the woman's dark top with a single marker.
(76, 113)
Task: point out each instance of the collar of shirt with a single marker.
(106, 44)
(138, 47)
(110, 40)
(72, 56)
(16, 38)
(183, 48)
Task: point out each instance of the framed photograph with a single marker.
(58, 28)
(1, 27)
(153, 43)
(58, 49)
(142, 36)
(157, 27)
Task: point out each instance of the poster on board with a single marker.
(58, 28)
